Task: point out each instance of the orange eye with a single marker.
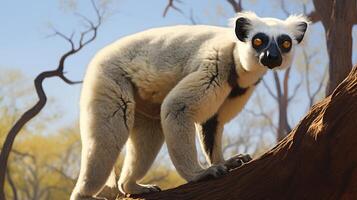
(286, 44)
(257, 42)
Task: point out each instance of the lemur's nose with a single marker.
(271, 56)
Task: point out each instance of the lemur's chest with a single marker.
(238, 96)
(234, 103)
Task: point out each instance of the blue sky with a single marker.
(24, 44)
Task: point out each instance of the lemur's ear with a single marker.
(301, 27)
(242, 28)
(298, 25)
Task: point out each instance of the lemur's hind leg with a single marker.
(107, 116)
(143, 145)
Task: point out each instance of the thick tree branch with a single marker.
(325, 137)
(42, 98)
(322, 12)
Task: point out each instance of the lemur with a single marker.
(160, 84)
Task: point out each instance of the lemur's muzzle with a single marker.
(271, 56)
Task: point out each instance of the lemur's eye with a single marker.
(257, 42)
(286, 44)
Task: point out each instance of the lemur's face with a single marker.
(268, 42)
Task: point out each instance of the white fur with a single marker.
(158, 84)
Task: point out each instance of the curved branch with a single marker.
(12, 185)
(42, 98)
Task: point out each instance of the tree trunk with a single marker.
(317, 160)
(337, 17)
(339, 47)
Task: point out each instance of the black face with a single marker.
(269, 50)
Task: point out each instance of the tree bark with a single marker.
(338, 18)
(317, 160)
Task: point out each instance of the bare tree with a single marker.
(338, 18)
(85, 38)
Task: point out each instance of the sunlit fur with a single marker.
(156, 86)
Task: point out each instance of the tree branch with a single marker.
(169, 5)
(312, 96)
(283, 8)
(277, 85)
(192, 18)
(296, 88)
(237, 6)
(286, 83)
(42, 98)
(264, 115)
(269, 90)
(12, 185)
(322, 136)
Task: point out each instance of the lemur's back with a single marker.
(167, 47)
(161, 57)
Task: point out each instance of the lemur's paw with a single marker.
(130, 189)
(80, 197)
(237, 161)
(151, 188)
(213, 171)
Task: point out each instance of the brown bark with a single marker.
(337, 17)
(317, 160)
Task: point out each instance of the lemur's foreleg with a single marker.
(193, 100)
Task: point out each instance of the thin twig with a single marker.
(169, 5)
(283, 8)
(296, 88)
(269, 90)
